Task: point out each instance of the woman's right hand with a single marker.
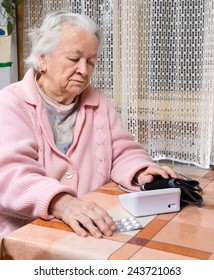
(83, 217)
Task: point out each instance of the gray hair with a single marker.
(44, 39)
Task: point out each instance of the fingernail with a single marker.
(83, 234)
(99, 235)
(109, 233)
(113, 227)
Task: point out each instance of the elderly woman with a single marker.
(61, 137)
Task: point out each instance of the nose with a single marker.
(82, 67)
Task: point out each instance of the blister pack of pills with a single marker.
(127, 224)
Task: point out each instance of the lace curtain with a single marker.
(156, 66)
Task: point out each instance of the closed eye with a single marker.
(91, 63)
(75, 60)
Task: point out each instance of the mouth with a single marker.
(78, 81)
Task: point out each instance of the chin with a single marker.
(77, 90)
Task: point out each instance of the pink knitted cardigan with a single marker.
(33, 170)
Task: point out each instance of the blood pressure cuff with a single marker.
(190, 189)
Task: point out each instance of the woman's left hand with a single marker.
(147, 175)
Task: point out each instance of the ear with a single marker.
(42, 63)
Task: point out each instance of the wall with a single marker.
(9, 74)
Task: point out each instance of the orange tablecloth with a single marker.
(188, 234)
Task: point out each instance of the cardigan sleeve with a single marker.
(129, 156)
(25, 190)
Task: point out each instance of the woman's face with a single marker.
(68, 69)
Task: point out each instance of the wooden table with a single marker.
(188, 234)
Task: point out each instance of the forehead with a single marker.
(74, 37)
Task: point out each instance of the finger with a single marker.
(164, 171)
(143, 179)
(108, 219)
(172, 173)
(106, 223)
(89, 225)
(77, 228)
(156, 170)
(102, 221)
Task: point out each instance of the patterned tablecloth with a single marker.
(188, 234)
